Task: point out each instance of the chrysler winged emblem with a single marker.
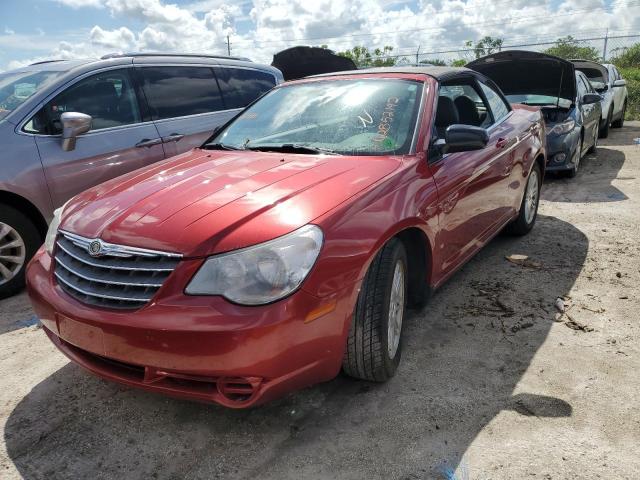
(95, 248)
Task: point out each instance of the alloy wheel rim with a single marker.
(531, 197)
(396, 309)
(12, 253)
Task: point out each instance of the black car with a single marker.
(570, 105)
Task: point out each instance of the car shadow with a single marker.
(594, 182)
(464, 356)
(16, 313)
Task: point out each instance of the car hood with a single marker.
(205, 202)
(520, 73)
(588, 66)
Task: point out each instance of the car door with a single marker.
(184, 102)
(120, 140)
(472, 186)
(590, 112)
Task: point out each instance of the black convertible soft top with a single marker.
(298, 62)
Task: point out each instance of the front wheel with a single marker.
(596, 135)
(529, 205)
(374, 344)
(19, 240)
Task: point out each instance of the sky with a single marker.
(34, 30)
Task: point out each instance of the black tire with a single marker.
(521, 225)
(576, 165)
(596, 136)
(620, 122)
(604, 131)
(367, 354)
(31, 239)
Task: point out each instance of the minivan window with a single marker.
(108, 97)
(241, 86)
(180, 91)
(16, 87)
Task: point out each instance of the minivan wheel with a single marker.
(576, 161)
(19, 240)
(529, 205)
(374, 345)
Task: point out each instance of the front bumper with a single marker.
(562, 150)
(201, 348)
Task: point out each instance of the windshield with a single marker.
(16, 87)
(354, 117)
(530, 99)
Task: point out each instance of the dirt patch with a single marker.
(493, 385)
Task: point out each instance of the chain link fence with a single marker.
(603, 48)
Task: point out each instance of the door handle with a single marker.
(148, 142)
(504, 142)
(174, 137)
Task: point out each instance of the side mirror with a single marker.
(73, 124)
(588, 98)
(463, 138)
(619, 83)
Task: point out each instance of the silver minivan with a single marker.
(68, 125)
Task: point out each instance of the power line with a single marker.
(488, 23)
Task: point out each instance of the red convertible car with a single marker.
(290, 245)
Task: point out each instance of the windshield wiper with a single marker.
(219, 146)
(290, 148)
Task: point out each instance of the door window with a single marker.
(241, 86)
(180, 91)
(108, 97)
(460, 102)
(499, 108)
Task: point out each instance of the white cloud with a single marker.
(434, 26)
(8, 31)
(81, 3)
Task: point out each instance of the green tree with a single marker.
(485, 46)
(569, 47)
(362, 57)
(627, 57)
(434, 61)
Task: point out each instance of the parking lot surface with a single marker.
(495, 382)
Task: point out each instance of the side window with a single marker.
(459, 102)
(180, 91)
(109, 98)
(241, 86)
(498, 106)
(582, 88)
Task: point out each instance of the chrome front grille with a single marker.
(109, 275)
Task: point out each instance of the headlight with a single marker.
(563, 128)
(50, 239)
(263, 273)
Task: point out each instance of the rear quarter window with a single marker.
(241, 86)
(180, 91)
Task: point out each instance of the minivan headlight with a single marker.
(262, 273)
(52, 232)
(563, 127)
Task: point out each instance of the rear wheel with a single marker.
(529, 206)
(19, 240)
(374, 344)
(596, 135)
(620, 122)
(604, 131)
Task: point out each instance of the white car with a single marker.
(608, 82)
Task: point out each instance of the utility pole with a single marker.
(228, 46)
(417, 53)
(604, 50)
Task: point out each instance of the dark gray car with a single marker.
(570, 105)
(66, 126)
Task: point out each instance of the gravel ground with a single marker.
(494, 383)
